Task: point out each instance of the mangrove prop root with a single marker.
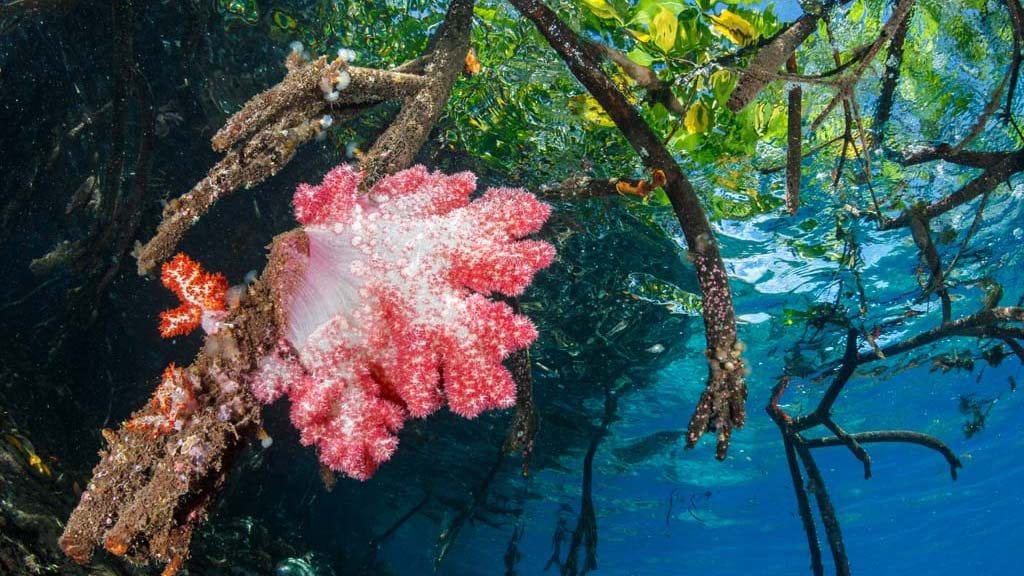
(265, 134)
(149, 491)
(990, 323)
(722, 404)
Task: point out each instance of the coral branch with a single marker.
(148, 495)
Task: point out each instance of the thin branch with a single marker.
(977, 324)
(920, 230)
(890, 77)
(808, 154)
(586, 525)
(848, 81)
(982, 184)
(794, 142)
(804, 507)
(990, 323)
(1017, 24)
(646, 78)
(827, 512)
(396, 148)
(975, 224)
(947, 153)
(900, 436)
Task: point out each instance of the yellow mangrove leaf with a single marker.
(734, 27)
(698, 118)
(722, 83)
(665, 29)
(601, 9)
(587, 107)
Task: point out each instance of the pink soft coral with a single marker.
(382, 294)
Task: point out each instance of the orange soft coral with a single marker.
(173, 403)
(203, 297)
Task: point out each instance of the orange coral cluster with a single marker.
(199, 291)
(173, 402)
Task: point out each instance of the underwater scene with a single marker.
(511, 287)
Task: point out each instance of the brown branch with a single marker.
(982, 184)
(646, 78)
(949, 154)
(811, 152)
(1015, 346)
(396, 148)
(891, 76)
(149, 492)
(900, 13)
(794, 143)
(377, 541)
(478, 497)
(260, 139)
(577, 188)
(265, 134)
(826, 511)
(721, 407)
(586, 524)
(765, 64)
(1009, 79)
(846, 84)
(851, 442)
(900, 436)
(804, 507)
(525, 420)
(979, 324)
(920, 230)
(990, 323)
(975, 224)
(990, 109)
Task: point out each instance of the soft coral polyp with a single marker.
(384, 292)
